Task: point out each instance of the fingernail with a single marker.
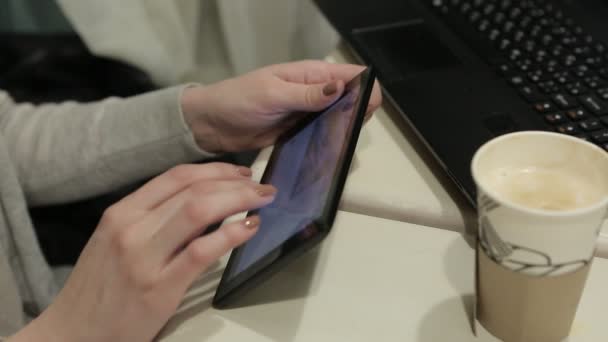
(252, 222)
(266, 190)
(244, 171)
(330, 89)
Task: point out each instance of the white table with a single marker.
(371, 280)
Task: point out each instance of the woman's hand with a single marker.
(147, 251)
(252, 110)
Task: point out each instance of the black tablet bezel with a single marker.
(230, 289)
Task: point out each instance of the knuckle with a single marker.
(309, 96)
(223, 167)
(182, 173)
(145, 281)
(111, 216)
(200, 188)
(270, 91)
(195, 213)
(122, 242)
(232, 236)
(198, 255)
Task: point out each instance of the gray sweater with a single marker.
(59, 153)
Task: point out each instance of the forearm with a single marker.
(45, 328)
(71, 151)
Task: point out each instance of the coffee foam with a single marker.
(543, 188)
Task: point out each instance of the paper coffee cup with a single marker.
(542, 198)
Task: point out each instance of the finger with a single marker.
(309, 97)
(165, 214)
(199, 207)
(178, 178)
(203, 251)
(314, 71)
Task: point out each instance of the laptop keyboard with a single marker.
(554, 65)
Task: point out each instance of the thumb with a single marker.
(312, 97)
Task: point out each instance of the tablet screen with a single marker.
(303, 168)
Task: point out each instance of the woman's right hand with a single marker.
(147, 251)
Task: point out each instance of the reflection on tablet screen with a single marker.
(303, 171)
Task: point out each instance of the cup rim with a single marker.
(513, 205)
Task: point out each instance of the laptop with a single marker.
(464, 71)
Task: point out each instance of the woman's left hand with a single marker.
(251, 111)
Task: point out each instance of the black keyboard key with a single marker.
(515, 54)
(499, 18)
(506, 69)
(519, 36)
(594, 82)
(552, 66)
(603, 93)
(569, 41)
(540, 55)
(546, 40)
(603, 72)
(582, 71)
(525, 22)
(600, 136)
(578, 30)
(488, 9)
(529, 46)
(564, 101)
(589, 125)
(576, 88)
(577, 114)
(475, 16)
(569, 60)
(604, 146)
(594, 62)
(582, 51)
(557, 50)
(535, 31)
(466, 7)
(508, 27)
(593, 104)
(505, 4)
(504, 44)
(559, 30)
(525, 64)
(531, 94)
(478, 3)
(549, 87)
(562, 77)
(544, 107)
(568, 128)
(514, 13)
(517, 80)
(555, 118)
(484, 26)
(538, 76)
(494, 35)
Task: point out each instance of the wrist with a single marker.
(196, 107)
(40, 329)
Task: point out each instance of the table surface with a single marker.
(372, 279)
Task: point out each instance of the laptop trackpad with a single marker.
(402, 49)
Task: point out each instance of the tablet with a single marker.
(308, 166)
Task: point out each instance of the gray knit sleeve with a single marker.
(70, 151)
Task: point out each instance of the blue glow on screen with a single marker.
(303, 172)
